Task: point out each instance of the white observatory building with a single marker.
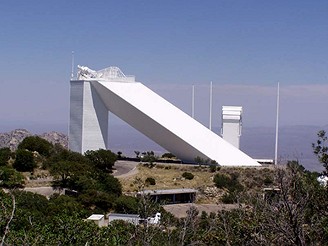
(94, 93)
(232, 124)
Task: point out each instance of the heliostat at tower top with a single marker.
(106, 74)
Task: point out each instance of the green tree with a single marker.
(61, 154)
(320, 148)
(95, 199)
(65, 205)
(7, 213)
(24, 161)
(126, 205)
(102, 159)
(64, 172)
(10, 178)
(31, 208)
(35, 143)
(5, 155)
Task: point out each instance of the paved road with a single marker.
(45, 191)
(125, 168)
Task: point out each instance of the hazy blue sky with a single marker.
(244, 47)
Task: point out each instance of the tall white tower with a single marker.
(231, 124)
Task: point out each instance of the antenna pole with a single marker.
(211, 90)
(277, 127)
(193, 102)
(72, 69)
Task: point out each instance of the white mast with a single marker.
(277, 127)
(211, 89)
(72, 69)
(193, 102)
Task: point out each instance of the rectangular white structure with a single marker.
(98, 219)
(231, 124)
(131, 218)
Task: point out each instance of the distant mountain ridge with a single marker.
(13, 138)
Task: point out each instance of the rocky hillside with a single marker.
(13, 138)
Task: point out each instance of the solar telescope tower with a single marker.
(94, 93)
(231, 124)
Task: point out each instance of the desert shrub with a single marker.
(221, 180)
(150, 181)
(212, 169)
(149, 156)
(168, 155)
(228, 198)
(188, 175)
(228, 182)
(267, 181)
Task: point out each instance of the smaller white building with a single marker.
(231, 124)
(98, 219)
(131, 218)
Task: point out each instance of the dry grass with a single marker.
(169, 177)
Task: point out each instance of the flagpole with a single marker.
(211, 92)
(277, 127)
(193, 102)
(72, 69)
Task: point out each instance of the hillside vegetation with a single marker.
(170, 176)
(294, 212)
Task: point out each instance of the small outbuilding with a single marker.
(172, 196)
(98, 219)
(131, 218)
